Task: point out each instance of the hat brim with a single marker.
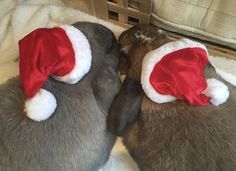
(153, 57)
(83, 55)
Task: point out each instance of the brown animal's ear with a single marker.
(125, 108)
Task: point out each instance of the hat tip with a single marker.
(217, 91)
(41, 106)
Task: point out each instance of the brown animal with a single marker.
(172, 136)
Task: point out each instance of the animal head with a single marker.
(146, 74)
(64, 54)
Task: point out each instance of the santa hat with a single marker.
(61, 52)
(176, 71)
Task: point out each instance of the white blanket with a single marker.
(19, 17)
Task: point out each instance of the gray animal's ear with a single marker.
(125, 108)
(106, 86)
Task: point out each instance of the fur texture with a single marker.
(75, 137)
(173, 136)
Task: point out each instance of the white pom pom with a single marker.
(217, 91)
(41, 106)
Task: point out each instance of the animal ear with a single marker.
(125, 108)
(106, 86)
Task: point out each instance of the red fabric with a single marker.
(180, 74)
(44, 52)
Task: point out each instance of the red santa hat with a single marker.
(176, 71)
(63, 53)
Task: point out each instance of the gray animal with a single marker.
(171, 136)
(75, 138)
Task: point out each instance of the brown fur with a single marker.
(172, 136)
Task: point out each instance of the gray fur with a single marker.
(75, 137)
(172, 136)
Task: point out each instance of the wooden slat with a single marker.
(143, 17)
(125, 25)
(79, 4)
(123, 18)
(145, 5)
(123, 3)
(121, 7)
(100, 7)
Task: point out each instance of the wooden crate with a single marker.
(123, 12)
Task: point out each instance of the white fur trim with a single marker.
(83, 55)
(41, 106)
(153, 57)
(217, 91)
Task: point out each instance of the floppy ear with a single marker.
(125, 108)
(106, 86)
